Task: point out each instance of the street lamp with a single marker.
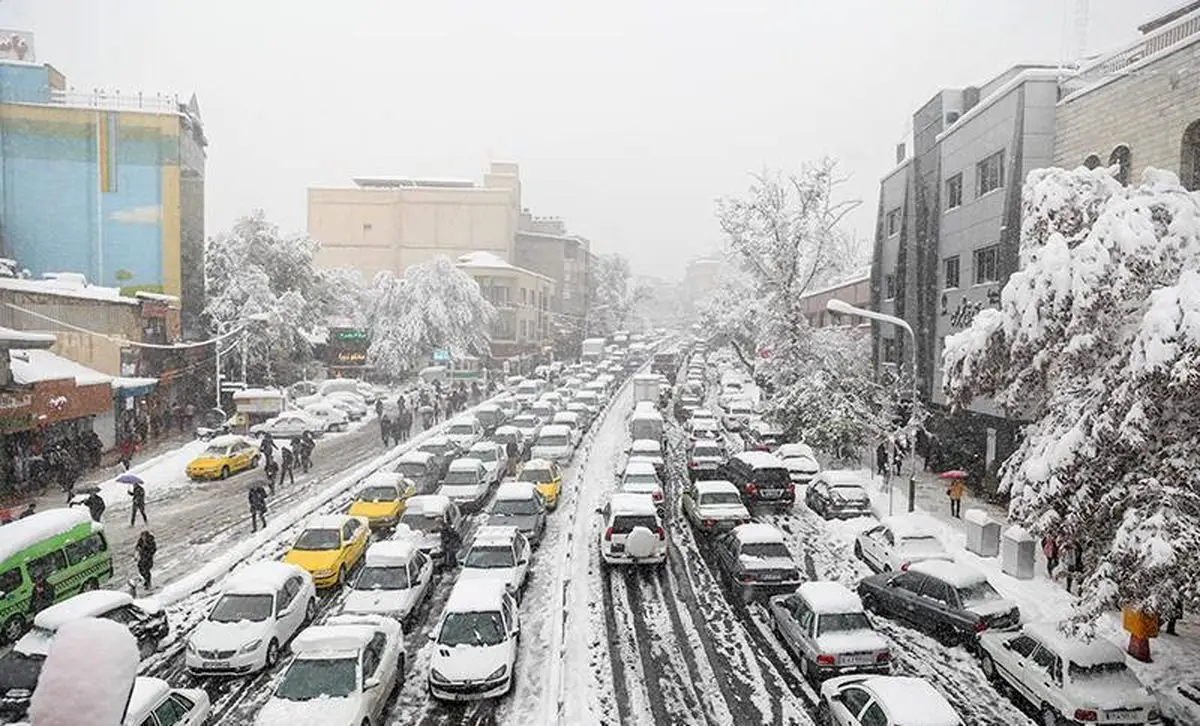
(844, 308)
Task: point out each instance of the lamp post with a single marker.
(844, 308)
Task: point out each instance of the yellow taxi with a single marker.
(329, 547)
(382, 498)
(225, 455)
(546, 476)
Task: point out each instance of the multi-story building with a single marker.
(108, 185)
(544, 246)
(700, 281)
(855, 289)
(522, 300)
(392, 223)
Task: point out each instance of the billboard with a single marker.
(347, 347)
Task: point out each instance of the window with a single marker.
(954, 191)
(1122, 158)
(372, 655)
(46, 565)
(910, 581)
(893, 222)
(939, 591)
(889, 289)
(1048, 661)
(873, 716)
(889, 350)
(83, 549)
(989, 174)
(10, 581)
(1022, 645)
(1189, 161)
(348, 531)
(950, 272)
(170, 712)
(855, 699)
(987, 265)
(123, 615)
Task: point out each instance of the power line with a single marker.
(125, 341)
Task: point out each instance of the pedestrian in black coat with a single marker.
(95, 506)
(146, 549)
(450, 544)
(271, 469)
(138, 494)
(267, 447)
(258, 507)
(379, 407)
(287, 465)
(385, 429)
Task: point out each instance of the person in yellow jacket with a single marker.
(955, 492)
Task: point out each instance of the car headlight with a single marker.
(323, 573)
(251, 646)
(498, 673)
(436, 675)
(191, 647)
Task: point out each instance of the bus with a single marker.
(63, 547)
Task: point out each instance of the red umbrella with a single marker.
(953, 474)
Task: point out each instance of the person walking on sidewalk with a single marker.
(955, 491)
(146, 548)
(287, 465)
(385, 429)
(258, 507)
(95, 506)
(1050, 549)
(138, 494)
(271, 469)
(304, 450)
(1069, 553)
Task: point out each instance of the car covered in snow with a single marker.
(899, 541)
(585, 414)
(1065, 679)
(528, 424)
(343, 673)
(883, 701)
(423, 521)
(712, 505)
(800, 460)
(490, 416)
(329, 547)
(381, 498)
(762, 479)
(493, 458)
(421, 468)
(950, 601)
(291, 425)
(705, 457)
(261, 607)
(546, 476)
(554, 442)
(755, 562)
(519, 504)
(649, 450)
(572, 420)
(464, 431)
(333, 418)
(824, 625)
(760, 435)
(838, 495)
(506, 434)
(466, 484)
(223, 457)
(498, 553)
(641, 477)
(475, 642)
(153, 702)
(444, 451)
(738, 414)
(528, 390)
(395, 578)
(632, 531)
(354, 411)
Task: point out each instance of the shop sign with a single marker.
(9, 400)
(350, 357)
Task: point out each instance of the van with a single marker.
(646, 425)
(64, 547)
(762, 479)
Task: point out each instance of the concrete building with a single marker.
(856, 290)
(544, 246)
(1139, 106)
(700, 280)
(392, 223)
(522, 299)
(108, 185)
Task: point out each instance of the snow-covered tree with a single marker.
(433, 306)
(612, 294)
(1097, 343)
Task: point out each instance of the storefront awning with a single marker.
(127, 387)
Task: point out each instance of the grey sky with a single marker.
(628, 117)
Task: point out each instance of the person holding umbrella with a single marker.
(137, 492)
(955, 490)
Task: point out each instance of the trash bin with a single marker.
(983, 533)
(1017, 553)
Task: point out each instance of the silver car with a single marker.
(823, 624)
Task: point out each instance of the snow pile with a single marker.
(88, 676)
(33, 366)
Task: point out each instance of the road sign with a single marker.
(441, 355)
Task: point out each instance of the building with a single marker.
(544, 246)
(522, 300)
(855, 289)
(948, 231)
(1139, 106)
(392, 223)
(700, 280)
(109, 185)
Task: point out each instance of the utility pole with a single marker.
(217, 349)
(245, 355)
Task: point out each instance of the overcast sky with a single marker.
(628, 117)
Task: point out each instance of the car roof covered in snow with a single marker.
(468, 422)
(516, 490)
(24, 533)
(647, 415)
(475, 596)
(716, 486)
(537, 464)
(912, 701)
(631, 503)
(229, 440)
(757, 532)
(427, 504)
(147, 692)
(826, 598)
(466, 463)
(952, 573)
(487, 408)
(638, 465)
(320, 639)
(645, 445)
(483, 446)
(83, 605)
(261, 577)
(415, 457)
(761, 460)
(506, 430)
(327, 521)
(843, 477)
(383, 478)
(495, 534)
(566, 416)
(555, 430)
(439, 441)
(789, 451)
(391, 552)
(911, 525)
(1078, 651)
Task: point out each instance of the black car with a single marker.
(838, 495)
(755, 562)
(762, 479)
(951, 602)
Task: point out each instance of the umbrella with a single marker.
(129, 479)
(953, 474)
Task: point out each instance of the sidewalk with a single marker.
(1176, 658)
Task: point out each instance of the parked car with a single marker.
(423, 520)
(950, 601)
(330, 546)
(466, 484)
(223, 457)
(554, 442)
(381, 498)
(261, 607)
(395, 578)
(762, 479)
(291, 425)
(519, 504)
(800, 460)
(511, 434)
(883, 700)
(899, 541)
(464, 432)
(640, 477)
(422, 468)
(1065, 679)
(713, 505)
(476, 642)
(493, 458)
(755, 561)
(444, 451)
(498, 553)
(358, 405)
(704, 459)
(823, 624)
(153, 702)
(649, 450)
(838, 495)
(351, 411)
(632, 531)
(334, 418)
(546, 476)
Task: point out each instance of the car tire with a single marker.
(224, 472)
(90, 585)
(13, 629)
(310, 612)
(988, 666)
(272, 654)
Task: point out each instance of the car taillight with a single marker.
(826, 659)
(608, 534)
(708, 523)
(883, 657)
(980, 626)
(747, 577)
(691, 465)
(904, 566)
(661, 534)
(1086, 714)
(657, 496)
(751, 488)
(790, 488)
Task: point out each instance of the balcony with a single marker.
(1154, 43)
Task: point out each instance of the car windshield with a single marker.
(842, 623)
(765, 550)
(378, 494)
(462, 477)
(490, 556)
(487, 454)
(1111, 674)
(923, 545)
(436, 448)
(459, 429)
(536, 475)
(382, 578)
(216, 451)
(706, 451)
(412, 469)
(980, 593)
(515, 507)
(308, 679)
(236, 608)
(555, 440)
(319, 539)
(478, 629)
(421, 522)
(721, 498)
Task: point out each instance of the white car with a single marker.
(737, 414)
(394, 580)
(898, 542)
(713, 505)
(544, 410)
(824, 625)
(498, 553)
(528, 424)
(572, 420)
(425, 515)
(591, 396)
(510, 406)
(704, 459)
(344, 674)
(493, 458)
(800, 460)
(465, 432)
(649, 450)
(466, 484)
(154, 697)
(475, 642)
(353, 412)
(527, 391)
(262, 606)
(640, 477)
(632, 531)
(554, 442)
(291, 424)
(883, 700)
(334, 418)
(1066, 679)
(354, 403)
(705, 429)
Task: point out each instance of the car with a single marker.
(701, 416)
(527, 391)
(686, 405)
(330, 547)
(754, 560)
(395, 578)
(466, 484)
(737, 415)
(632, 531)
(824, 625)
(838, 495)
(476, 642)
(571, 420)
(334, 418)
(898, 542)
(381, 498)
(493, 458)
(554, 442)
(505, 435)
(464, 432)
(713, 506)
(950, 601)
(489, 416)
(762, 479)
(705, 429)
(591, 396)
(344, 673)
(352, 411)
(800, 460)
(868, 700)
(290, 425)
(546, 476)
(529, 425)
(704, 459)
(649, 450)
(761, 435)
(223, 457)
(444, 451)
(423, 521)
(421, 468)
(641, 477)
(1065, 679)
(519, 504)
(498, 553)
(261, 607)
(509, 405)
(585, 414)
(153, 702)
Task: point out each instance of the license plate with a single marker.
(770, 577)
(770, 493)
(1122, 715)
(856, 660)
(618, 547)
(216, 664)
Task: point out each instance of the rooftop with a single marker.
(952, 573)
(469, 596)
(66, 284)
(400, 182)
(265, 576)
(830, 597)
(332, 639)
(391, 552)
(481, 260)
(31, 366)
(757, 532)
(83, 605)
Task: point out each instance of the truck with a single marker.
(646, 388)
(666, 363)
(593, 349)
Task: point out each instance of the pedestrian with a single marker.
(513, 453)
(450, 544)
(287, 465)
(898, 457)
(406, 420)
(955, 492)
(385, 428)
(881, 459)
(42, 596)
(146, 548)
(1050, 550)
(258, 507)
(267, 446)
(138, 494)
(126, 452)
(271, 469)
(1069, 553)
(379, 407)
(305, 450)
(95, 505)
(1174, 615)
(190, 412)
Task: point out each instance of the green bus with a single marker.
(62, 546)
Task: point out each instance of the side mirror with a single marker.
(371, 684)
(432, 636)
(599, 510)
(523, 561)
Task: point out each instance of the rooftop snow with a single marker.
(257, 393)
(1084, 653)
(830, 597)
(915, 524)
(956, 575)
(332, 639)
(265, 576)
(792, 451)
(630, 503)
(24, 533)
(554, 430)
(66, 285)
(515, 490)
(639, 465)
(493, 533)
(761, 460)
(31, 366)
(147, 692)
(418, 457)
(391, 552)
(88, 675)
(229, 440)
(843, 477)
(466, 464)
(83, 605)
(9, 336)
(913, 701)
(327, 521)
(490, 261)
(427, 504)
(758, 533)
(474, 596)
(715, 486)
(383, 478)
(125, 382)
(156, 297)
